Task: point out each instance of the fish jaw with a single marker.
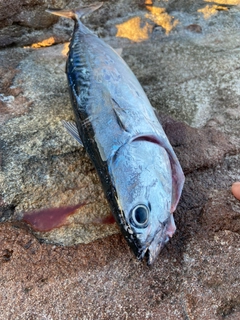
(159, 240)
(155, 247)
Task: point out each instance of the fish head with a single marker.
(142, 176)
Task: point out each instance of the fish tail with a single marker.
(77, 13)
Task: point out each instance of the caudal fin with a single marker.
(77, 13)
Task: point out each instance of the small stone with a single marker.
(194, 28)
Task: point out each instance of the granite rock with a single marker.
(26, 22)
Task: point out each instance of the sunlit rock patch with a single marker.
(139, 29)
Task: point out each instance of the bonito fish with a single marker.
(115, 122)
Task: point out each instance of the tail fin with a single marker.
(77, 13)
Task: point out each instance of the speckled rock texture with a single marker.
(186, 56)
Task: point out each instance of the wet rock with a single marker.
(197, 148)
(104, 274)
(191, 281)
(213, 265)
(221, 213)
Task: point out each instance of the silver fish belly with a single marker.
(139, 171)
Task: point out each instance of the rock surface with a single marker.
(186, 56)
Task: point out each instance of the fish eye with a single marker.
(139, 216)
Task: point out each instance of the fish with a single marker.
(114, 121)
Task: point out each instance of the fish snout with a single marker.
(161, 237)
(154, 249)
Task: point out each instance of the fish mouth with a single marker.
(151, 252)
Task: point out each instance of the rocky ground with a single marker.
(186, 55)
